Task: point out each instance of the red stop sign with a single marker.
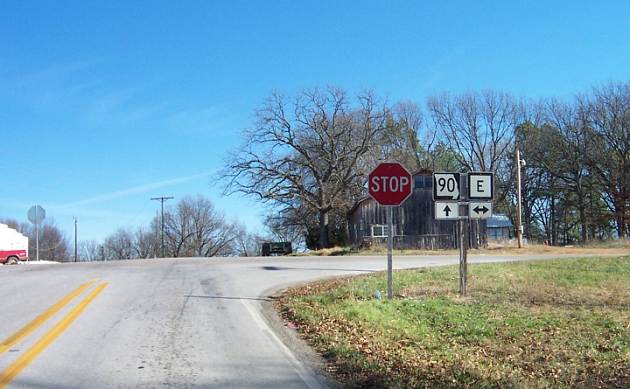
(390, 183)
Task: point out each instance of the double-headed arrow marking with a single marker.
(480, 210)
(483, 210)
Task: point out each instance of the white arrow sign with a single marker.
(446, 211)
(445, 186)
(480, 210)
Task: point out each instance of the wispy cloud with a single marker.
(54, 74)
(133, 190)
(212, 120)
(85, 91)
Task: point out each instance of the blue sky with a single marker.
(106, 104)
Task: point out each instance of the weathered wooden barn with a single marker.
(414, 224)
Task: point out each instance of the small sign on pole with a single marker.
(36, 215)
(479, 210)
(446, 186)
(447, 196)
(480, 186)
(390, 184)
(446, 211)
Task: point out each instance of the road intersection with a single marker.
(192, 322)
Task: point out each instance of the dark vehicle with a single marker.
(276, 248)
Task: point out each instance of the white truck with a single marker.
(13, 245)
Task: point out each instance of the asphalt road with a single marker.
(161, 323)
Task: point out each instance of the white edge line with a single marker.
(304, 374)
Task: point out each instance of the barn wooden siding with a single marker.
(414, 222)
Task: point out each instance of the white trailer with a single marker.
(13, 245)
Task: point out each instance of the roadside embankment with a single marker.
(617, 247)
(559, 323)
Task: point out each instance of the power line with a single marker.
(162, 199)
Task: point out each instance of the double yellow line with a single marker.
(29, 356)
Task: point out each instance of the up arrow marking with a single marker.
(447, 210)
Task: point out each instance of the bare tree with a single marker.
(145, 243)
(246, 244)
(567, 159)
(119, 245)
(212, 233)
(609, 119)
(53, 243)
(89, 250)
(289, 225)
(478, 126)
(400, 141)
(195, 228)
(177, 229)
(21, 227)
(308, 152)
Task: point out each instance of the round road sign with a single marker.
(390, 183)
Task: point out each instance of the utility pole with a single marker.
(162, 199)
(519, 228)
(157, 232)
(76, 256)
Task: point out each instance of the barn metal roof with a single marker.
(499, 221)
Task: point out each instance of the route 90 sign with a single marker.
(446, 186)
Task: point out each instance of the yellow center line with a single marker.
(29, 356)
(41, 319)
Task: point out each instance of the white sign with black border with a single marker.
(479, 210)
(446, 211)
(480, 185)
(446, 186)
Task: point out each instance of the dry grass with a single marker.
(619, 247)
(563, 323)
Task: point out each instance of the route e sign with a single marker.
(446, 186)
(480, 186)
(390, 183)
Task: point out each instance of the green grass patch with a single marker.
(560, 323)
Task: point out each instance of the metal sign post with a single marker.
(390, 249)
(390, 184)
(463, 241)
(461, 197)
(36, 215)
(463, 257)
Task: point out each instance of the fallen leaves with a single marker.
(536, 334)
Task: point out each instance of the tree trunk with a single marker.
(554, 229)
(323, 229)
(621, 225)
(621, 221)
(583, 223)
